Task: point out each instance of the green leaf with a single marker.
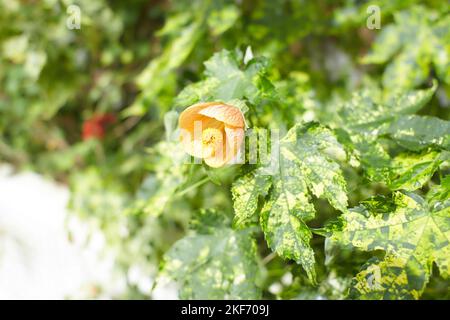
(220, 265)
(206, 221)
(441, 49)
(440, 193)
(159, 72)
(227, 79)
(385, 46)
(196, 92)
(221, 20)
(305, 165)
(368, 153)
(246, 191)
(364, 114)
(365, 119)
(391, 278)
(168, 174)
(234, 83)
(413, 235)
(408, 70)
(411, 101)
(418, 132)
(411, 46)
(412, 171)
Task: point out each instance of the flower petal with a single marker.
(197, 118)
(192, 139)
(191, 114)
(230, 148)
(215, 162)
(234, 138)
(227, 114)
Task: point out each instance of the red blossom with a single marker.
(95, 127)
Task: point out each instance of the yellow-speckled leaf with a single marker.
(222, 265)
(306, 166)
(413, 234)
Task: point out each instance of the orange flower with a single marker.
(212, 131)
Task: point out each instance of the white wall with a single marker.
(37, 260)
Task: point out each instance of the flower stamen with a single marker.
(212, 139)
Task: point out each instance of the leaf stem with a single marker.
(320, 231)
(269, 258)
(192, 187)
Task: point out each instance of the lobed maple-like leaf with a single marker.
(365, 120)
(226, 79)
(215, 262)
(413, 233)
(305, 166)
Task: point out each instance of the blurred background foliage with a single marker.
(95, 108)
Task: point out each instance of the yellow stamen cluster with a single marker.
(212, 140)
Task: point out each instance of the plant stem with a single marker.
(191, 187)
(269, 258)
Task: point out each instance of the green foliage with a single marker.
(225, 80)
(214, 264)
(305, 166)
(184, 30)
(412, 233)
(417, 132)
(363, 113)
(440, 193)
(365, 121)
(246, 192)
(160, 186)
(411, 171)
(417, 41)
(362, 117)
